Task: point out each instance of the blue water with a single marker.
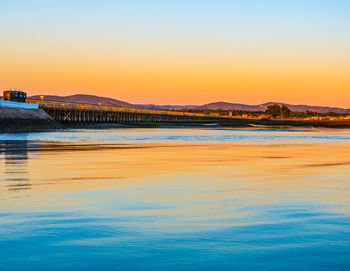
(239, 200)
(252, 135)
(53, 241)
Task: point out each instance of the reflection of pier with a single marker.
(16, 167)
(77, 112)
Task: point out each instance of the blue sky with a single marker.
(307, 36)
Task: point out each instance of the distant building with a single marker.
(16, 99)
(15, 96)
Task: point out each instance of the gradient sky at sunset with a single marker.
(179, 52)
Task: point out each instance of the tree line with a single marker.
(273, 111)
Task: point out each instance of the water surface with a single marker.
(175, 199)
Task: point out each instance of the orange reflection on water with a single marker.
(193, 178)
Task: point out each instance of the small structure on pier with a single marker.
(16, 99)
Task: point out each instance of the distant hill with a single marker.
(303, 108)
(88, 99)
(166, 107)
(92, 99)
(263, 107)
(231, 106)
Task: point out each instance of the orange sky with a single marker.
(172, 55)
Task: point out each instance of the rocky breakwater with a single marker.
(25, 120)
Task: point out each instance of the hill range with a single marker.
(92, 99)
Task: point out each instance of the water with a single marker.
(208, 135)
(175, 199)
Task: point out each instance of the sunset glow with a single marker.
(179, 52)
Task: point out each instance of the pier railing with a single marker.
(80, 106)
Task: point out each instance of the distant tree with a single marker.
(278, 111)
(273, 110)
(310, 113)
(285, 112)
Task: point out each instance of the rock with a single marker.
(25, 120)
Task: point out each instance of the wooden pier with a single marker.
(88, 113)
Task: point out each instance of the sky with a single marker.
(179, 52)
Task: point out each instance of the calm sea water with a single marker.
(175, 199)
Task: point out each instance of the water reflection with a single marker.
(15, 155)
(175, 206)
(254, 135)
